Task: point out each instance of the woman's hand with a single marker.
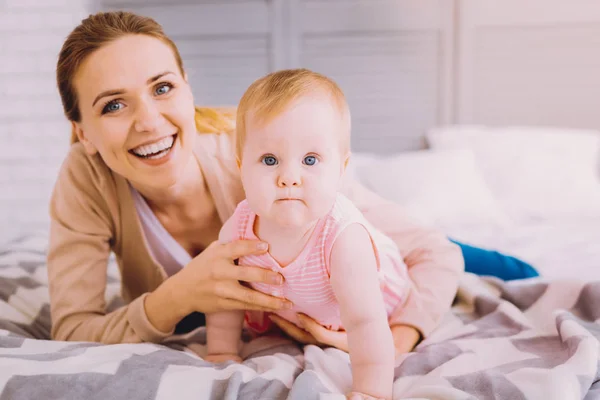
(211, 283)
(313, 332)
(405, 337)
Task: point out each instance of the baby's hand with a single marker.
(221, 358)
(361, 396)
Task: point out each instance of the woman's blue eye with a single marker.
(163, 89)
(269, 160)
(310, 160)
(112, 107)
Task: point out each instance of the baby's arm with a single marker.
(356, 286)
(224, 329)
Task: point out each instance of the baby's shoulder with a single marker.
(344, 211)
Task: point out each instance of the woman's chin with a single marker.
(159, 179)
(166, 172)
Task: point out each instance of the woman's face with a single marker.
(137, 110)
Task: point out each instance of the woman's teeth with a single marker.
(155, 150)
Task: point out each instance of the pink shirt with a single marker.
(307, 284)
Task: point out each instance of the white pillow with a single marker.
(439, 188)
(536, 173)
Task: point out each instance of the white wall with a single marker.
(33, 131)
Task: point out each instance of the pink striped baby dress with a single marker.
(307, 283)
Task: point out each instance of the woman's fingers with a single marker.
(247, 274)
(293, 331)
(254, 297)
(405, 338)
(313, 332)
(230, 304)
(240, 248)
(323, 335)
(223, 269)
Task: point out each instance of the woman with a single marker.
(141, 181)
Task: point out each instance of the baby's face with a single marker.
(292, 167)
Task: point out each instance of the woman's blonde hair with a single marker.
(270, 95)
(105, 27)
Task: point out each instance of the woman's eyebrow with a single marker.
(107, 93)
(114, 92)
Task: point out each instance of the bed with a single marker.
(530, 339)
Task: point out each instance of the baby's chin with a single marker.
(297, 217)
(292, 221)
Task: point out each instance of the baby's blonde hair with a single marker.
(270, 95)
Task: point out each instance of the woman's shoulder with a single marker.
(84, 201)
(218, 144)
(216, 129)
(216, 155)
(215, 119)
(216, 152)
(84, 175)
(79, 164)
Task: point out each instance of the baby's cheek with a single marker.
(260, 199)
(322, 200)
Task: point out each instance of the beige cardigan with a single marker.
(92, 212)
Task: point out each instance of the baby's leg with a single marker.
(396, 288)
(223, 334)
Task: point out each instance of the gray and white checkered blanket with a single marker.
(532, 339)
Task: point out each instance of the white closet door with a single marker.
(392, 58)
(225, 45)
(534, 62)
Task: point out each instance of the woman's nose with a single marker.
(147, 117)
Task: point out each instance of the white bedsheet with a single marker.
(566, 249)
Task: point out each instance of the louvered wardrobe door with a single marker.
(533, 62)
(225, 45)
(392, 59)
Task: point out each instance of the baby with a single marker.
(293, 145)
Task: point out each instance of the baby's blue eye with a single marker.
(269, 160)
(310, 160)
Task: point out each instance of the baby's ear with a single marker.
(346, 161)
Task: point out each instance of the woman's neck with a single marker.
(189, 189)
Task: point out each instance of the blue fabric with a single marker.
(492, 263)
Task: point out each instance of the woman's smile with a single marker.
(156, 152)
